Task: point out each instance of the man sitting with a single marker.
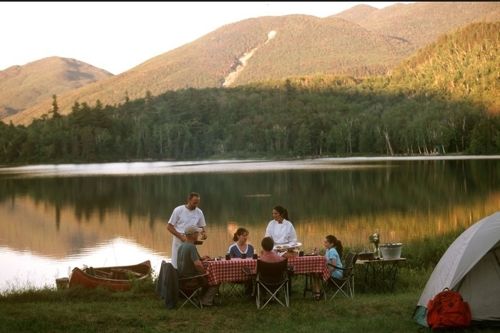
(189, 264)
(267, 254)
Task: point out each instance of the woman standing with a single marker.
(279, 228)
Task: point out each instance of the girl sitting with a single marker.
(240, 248)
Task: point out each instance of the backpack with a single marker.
(447, 309)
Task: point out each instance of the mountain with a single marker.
(459, 66)
(268, 48)
(27, 85)
(412, 26)
(434, 102)
(280, 47)
(357, 13)
(463, 65)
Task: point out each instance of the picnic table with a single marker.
(380, 274)
(220, 271)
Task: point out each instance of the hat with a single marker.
(191, 230)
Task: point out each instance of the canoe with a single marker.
(116, 278)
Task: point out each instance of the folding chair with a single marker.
(191, 288)
(271, 279)
(346, 284)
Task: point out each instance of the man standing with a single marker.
(185, 216)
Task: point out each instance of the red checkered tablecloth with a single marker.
(228, 270)
(232, 270)
(310, 264)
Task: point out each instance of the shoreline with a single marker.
(219, 166)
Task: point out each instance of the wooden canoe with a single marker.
(117, 278)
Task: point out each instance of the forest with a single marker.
(443, 100)
(286, 121)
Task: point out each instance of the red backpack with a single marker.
(447, 309)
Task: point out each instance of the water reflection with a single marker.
(24, 269)
(50, 223)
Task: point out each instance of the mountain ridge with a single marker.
(303, 45)
(436, 102)
(24, 86)
(421, 22)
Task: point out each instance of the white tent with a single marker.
(471, 266)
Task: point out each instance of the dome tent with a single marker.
(471, 266)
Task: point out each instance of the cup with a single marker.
(228, 256)
(301, 253)
(255, 256)
(243, 256)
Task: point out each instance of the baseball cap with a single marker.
(191, 230)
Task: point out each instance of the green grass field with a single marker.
(141, 310)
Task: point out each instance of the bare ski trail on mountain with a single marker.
(231, 77)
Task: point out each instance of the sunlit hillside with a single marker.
(435, 102)
(27, 85)
(278, 47)
(464, 64)
(302, 45)
(412, 26)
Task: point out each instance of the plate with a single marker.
(287, 246)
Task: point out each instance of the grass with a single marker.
(79, 310)
(141, 310)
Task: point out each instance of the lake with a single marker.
(56, 217)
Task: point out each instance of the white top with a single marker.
(236, 245)
(283, 232)
(182, 218)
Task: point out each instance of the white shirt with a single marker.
(182, 218)
(281, 233)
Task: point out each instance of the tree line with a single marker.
(300, 117)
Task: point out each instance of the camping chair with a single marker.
(346, 284)
(190, 288)
(272, 278)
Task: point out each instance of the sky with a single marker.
(117, 36)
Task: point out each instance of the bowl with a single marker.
(390, 250)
